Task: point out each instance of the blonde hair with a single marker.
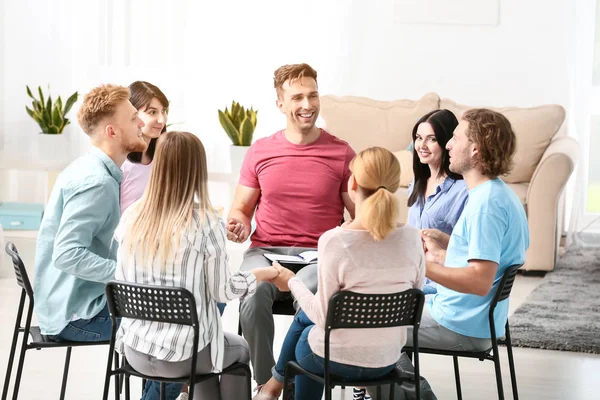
(99, 103)
(178, 184)
(377, 174)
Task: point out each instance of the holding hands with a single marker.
(434, 252)
(237, 231)
(281, 282)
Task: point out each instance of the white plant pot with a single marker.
(53, 147)
(236, 157)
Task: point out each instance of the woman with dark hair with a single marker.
(437, 195)
(152, 106)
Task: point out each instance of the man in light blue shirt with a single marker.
(75, 255)
(490, 236)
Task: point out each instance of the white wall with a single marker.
(204, 55)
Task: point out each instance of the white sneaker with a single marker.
(183, 396)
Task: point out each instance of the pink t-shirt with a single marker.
(135, 180)
(301, 187)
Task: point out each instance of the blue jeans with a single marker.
(95, 329)
(296, 348)
(172, 390)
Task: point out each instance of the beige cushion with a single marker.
(363, 122)
(534, 127)
(406, 169)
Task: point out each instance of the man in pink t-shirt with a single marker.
(294, 183)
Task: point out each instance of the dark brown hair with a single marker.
(292, 72)
(495, 140)
(141, 96)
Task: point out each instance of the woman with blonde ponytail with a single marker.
(172, 237)
(371, 254)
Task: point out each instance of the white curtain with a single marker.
(583, 25)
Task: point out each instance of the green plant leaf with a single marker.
(41, 95)
(252, 115)
(29, 92)
(240, 116)
(246, 131)
(70, 101)
(30, 112)
(229, 128)
(58, 104)
(57, 120)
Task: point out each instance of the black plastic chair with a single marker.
(491, 354)
(349, 310)
(38, 341)
(158, 304)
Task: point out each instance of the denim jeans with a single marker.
(95, 329)
(296, 348)
(172, 390)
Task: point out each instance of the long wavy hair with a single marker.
(178, 185)
(443, 123)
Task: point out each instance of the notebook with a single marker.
(304, 258)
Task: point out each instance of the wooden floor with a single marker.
(541, 374)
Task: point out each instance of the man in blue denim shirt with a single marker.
(75, 256)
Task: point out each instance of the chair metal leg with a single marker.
(11, 358)
(117, 378)
(127, 388)
(20, 366)
(511, 364)
(456, 378)
(498, 371)
(63, 387)
(108, 374)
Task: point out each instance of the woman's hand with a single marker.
(265, 273)
(433, 251)
(442, 238)
(281, 282)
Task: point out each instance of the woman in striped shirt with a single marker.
(172, 237)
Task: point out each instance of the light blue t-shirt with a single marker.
(75, 255)
(440, 210)
(492, 227)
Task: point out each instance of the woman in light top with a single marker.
(152, 106)
(371, 255)
(177, 240)
(437, 195)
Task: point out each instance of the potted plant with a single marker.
(239, 124)
(52, 120)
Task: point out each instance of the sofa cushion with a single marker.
(363, 122)
(534, 128)
(405, 158)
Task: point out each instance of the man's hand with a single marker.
(442, 238)
(433, 251)
(237, 231)
(281, 282)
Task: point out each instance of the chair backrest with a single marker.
(505, 286)
(151, 303)
(355, 310)
(20, 271)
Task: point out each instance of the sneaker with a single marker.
(360, 394)
(183, 396)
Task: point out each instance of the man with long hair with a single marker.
(75, 255)
(295, 184)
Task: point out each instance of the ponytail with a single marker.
(380, 212)
(377, 173)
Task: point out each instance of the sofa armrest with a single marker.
(543, 198)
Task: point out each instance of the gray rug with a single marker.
(563, 313)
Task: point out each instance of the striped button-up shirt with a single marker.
(199, 264)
